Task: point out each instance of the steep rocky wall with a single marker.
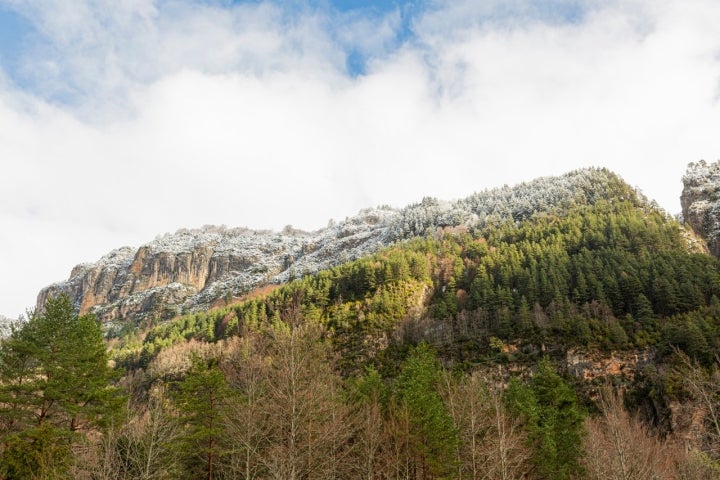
(192, 268)
(591, 366)
(700, 201)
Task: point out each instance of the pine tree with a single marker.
(54, 388)
(433, 438)
(553, 420)
(202, 400)
(644, 312)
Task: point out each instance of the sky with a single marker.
(121, 121)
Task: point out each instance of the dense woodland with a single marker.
(443, 356)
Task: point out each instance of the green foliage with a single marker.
(606, 275)
(553, 418)
(432, 435)
(367, 387)
(39, 452)
(55, 382)
(202, 399)
(695, 333)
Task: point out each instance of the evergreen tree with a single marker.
(433, 438)
(54, 388)
(202, 400)
(553, 420)
(644, 312)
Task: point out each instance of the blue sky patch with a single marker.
(14, 33)
(19, 39)
(355, 63)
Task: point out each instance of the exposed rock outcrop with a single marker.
(700, 202)
(591, 366)
(192, 268)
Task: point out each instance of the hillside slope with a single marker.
(613, 276)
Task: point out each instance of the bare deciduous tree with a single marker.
(368, 427)
(492, 444)
(618, 446)
(246, 367)
(398, 459)
(704, 388)
(141, 448)
(308, 418)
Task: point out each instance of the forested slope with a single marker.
(491, 304)
(613, 275)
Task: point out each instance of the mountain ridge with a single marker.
(577, 274)
(191, 269)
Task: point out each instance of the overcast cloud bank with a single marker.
(123, 120)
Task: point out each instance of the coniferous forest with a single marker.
(451, 355)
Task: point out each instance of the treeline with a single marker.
(270, 403)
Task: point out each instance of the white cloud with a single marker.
(371, 36)
(180, 115)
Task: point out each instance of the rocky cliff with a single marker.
(191, 269)
(700, 202)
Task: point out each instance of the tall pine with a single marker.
(553, 420)
(202, 400)
(55, 387)
(433, 439)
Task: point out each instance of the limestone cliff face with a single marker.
(700, 202)
(191, 269)
(591, 366)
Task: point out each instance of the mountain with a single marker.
(700, 202)
(616, 275)
(191, 269)
(512, 306)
